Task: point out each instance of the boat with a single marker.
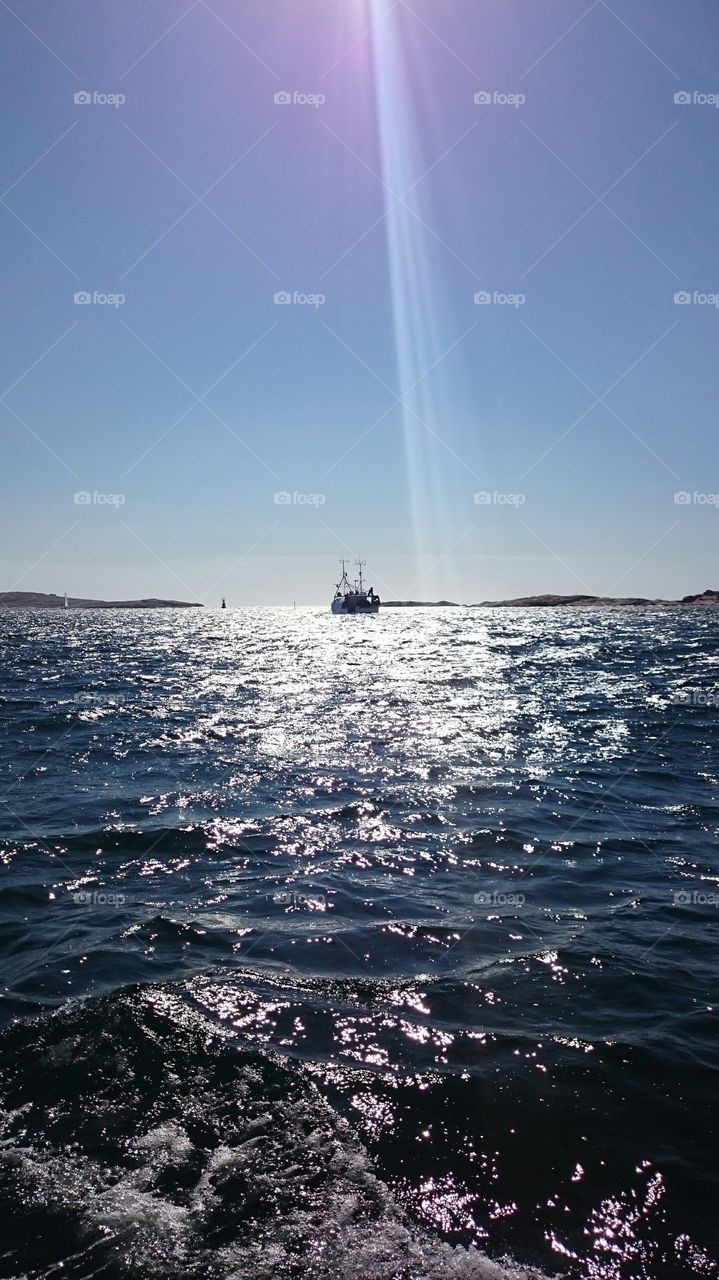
(352, 597)
(224, 603)
(66, 603)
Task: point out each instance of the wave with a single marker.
(140, 1141)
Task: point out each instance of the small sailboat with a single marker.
(224, 605)
(353, 597)
(66, 604)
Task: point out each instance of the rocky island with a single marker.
(709, 597)
(42, 600)
(419, 604)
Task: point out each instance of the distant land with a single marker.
(708, 597)
(43, 600)
(40, 600)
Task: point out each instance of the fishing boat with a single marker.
(352, 597)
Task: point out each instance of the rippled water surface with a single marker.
(359, 947)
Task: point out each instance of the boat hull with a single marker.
(354, 607)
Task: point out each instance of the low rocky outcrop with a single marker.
(41, 600)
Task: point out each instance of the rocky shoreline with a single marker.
(708, 597)
(703, 598)
(41, 600)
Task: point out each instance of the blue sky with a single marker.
(581, 189)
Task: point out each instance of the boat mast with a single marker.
(360, 563)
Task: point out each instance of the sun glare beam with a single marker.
(422, 313)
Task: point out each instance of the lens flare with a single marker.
(424, 327)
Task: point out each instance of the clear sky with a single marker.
(576, 194)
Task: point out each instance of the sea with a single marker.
(377, 948)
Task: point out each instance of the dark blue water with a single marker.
(346, 948)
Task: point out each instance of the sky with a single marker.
(291, 280)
